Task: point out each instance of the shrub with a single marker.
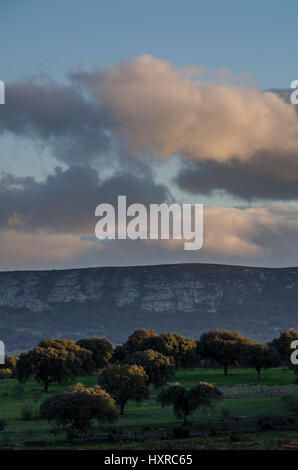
(28, 411)
(75, 408)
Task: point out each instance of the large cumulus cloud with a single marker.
(157, 109)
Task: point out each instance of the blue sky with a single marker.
(237, 150)
(52, 37)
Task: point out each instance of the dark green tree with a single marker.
(158, 367)
(136, 340)
(222, 346)
(126, 382)
(182, 349)
(186, 401)
(71, 349)
(120, 353)
(75, 408)
(101, 348)
(52, 364)
(259, 356)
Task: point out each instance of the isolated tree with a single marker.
(126, 382)
(222, 346)
(136, 339)
(186, 401)
(259, 356)
(75, 408)
(101, 349)
(283, 344)
(158, 367)
(51, 364)
(182, 349)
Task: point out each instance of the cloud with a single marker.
(247, 235)
(156, 109)
(234, 137)
(19, 250)
(267, 176)
(66, 201)
(57, 115)
(260, 236)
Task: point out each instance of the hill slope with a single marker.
(114, 301)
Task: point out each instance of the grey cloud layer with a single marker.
(266, 176)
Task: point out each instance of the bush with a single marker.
(74, 409)
(28, 411)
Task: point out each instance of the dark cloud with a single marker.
(59, 115)
(66, 201)
(266, 176)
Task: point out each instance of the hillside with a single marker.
(114, 301)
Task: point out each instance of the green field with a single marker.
(242, 422)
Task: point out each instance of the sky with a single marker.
(163, 101)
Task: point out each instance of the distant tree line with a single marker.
(56, 360)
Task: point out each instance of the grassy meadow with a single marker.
(258, 419)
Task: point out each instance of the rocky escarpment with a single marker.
(113, 301)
